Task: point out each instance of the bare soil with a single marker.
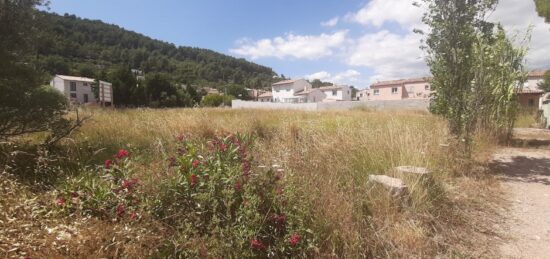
(525, 176)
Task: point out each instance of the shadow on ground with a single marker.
(524, 169)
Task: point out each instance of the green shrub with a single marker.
(217, 197)
(216, 100)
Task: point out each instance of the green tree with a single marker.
(456, 47)
(124, 84)
(543, 8)
(25, 105)
(216, 100)
(545, 84)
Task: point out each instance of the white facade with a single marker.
(362, 95)
(286, 91)
(336, 93)
(78, 90)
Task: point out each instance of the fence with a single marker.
(407, 104)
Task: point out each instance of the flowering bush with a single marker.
(218, 196)
(109, 193)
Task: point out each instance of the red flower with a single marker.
(74, 194)
(279, 190)
(133, 216)
(223, 147)
(246, 168)
(294, 239)
(257, 244)
(180, 137)
(122, 154)
(238, 186)
(279, 220)
(195, 163)
(129, 184)
(108, 164)
(60, 201)
(120, 210)
(193, 179)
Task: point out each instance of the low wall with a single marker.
(407, 104)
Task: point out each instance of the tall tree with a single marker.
(458, 32)
(25, 105)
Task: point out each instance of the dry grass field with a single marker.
(326, 158)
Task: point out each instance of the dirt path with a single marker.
(525, 175)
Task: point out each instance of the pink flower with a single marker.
(122, 154)
(108, 164)
(238, 186)
(193, 179)
(60, 201)
(74, 194)
(257, 244)
(294, 239)
(196, 163)
(133, 216)
(120, 210)
(279, 190)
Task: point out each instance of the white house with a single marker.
(295, 91)
(336, 93)
(78, 90)
(362, 95)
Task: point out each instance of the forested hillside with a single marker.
(72, 45)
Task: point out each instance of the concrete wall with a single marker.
(407, 104)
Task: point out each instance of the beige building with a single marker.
(416, 88)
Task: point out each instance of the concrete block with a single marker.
(395, 186)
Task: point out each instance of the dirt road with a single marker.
(525, 175)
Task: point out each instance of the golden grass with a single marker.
(329, 155)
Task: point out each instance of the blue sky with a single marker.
(353, 42)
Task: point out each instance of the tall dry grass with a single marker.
(328, 156)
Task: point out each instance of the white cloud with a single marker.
(295, 46)
(390, 55)
(516, 16)
(330, 23)
(378, 12)
(347, 77)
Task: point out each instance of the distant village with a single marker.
(80, 90)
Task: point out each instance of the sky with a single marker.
(354, 42)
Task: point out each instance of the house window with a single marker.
(85, 84)
(334, 92)
(376, 91)
(85, 98)
(427, 87)
(73, 95)
(73, 86)
(531, 102)
(394, 90)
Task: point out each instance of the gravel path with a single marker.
(525, 175)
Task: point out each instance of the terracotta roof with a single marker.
(285, 82)
(401, 82)
(266, 94)
(76, 78)
(537, 73)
